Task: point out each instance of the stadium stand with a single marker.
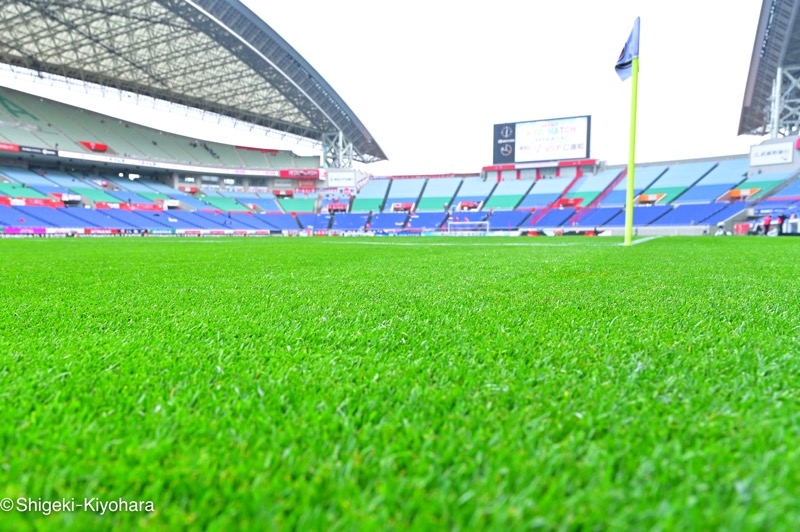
(468, 216)
(552, 218)
(156, 219)
(44, 123)
(587, 188)
(280, 221)
(155, 197)
(225, 204)
(14, 190)
(315, 222)
(98, 218)
(264, 204)
(388, 221)
(189, 201)
(685, 193)
(23, 216)
(127, 196)
(642, 215)
(643, 177)
(303, 203)
(474, 191)
(212, 220)
(347, 221)
(22, 175)
(134, 185)
(688, 214)
(238, 220)
(508, 194)
(371, 197)
(725, 214)
(94, 195)
(338, 200)
(722, 178)
(760, 185)
(280, 159)
(544, 192)
(155, 186)
(507, 220)
(252, 157)
(787, 197)
(426, 221)
(675, 181)
(151, 220)
(50, 190)
(404, 194)
(191, 220)
(438, 194)
(69, 181)
(594, 217)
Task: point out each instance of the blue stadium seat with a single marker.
(404, 191)
(468, 216)
(128, 196)
(553, 218)
(265, 204)
(426, 221)
(280, 221)
(388, 221)
(315, 222)
(642, 216)
(731, 210)
(474, 189)
(596, 217)
(138, 221)
(50, 189)
(689, 214)
(98, 218)
(349, 221)
(507, 220)
(703, 193)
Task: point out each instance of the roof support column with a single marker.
(785, 104)
(775, 111)
(337, 150)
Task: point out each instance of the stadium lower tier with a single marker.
(21, 218)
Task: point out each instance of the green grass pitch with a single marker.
(391, 383)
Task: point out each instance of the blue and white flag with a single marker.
(624, 65)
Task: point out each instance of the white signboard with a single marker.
(766, 154)
(552, 140)
(341, 179)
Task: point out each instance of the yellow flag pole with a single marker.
(631, 154)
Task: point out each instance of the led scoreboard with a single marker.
(555, 139)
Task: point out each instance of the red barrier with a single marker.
(94, 146)
(41, 202)
(146, 207)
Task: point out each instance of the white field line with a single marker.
(391, 242)
(645, 239)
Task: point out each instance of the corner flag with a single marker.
(624, 66)
(628, 66)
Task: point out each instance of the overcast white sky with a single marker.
(429, 78)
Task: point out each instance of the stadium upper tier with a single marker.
(776, 46)
(213, 55)
(36, 122)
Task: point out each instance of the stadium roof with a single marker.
(214, 55)
(777, 44)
